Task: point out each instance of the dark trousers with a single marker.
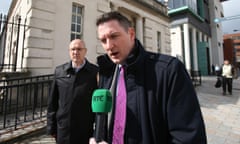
(227, 83)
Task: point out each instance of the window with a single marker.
(77, 21)
(236, 44)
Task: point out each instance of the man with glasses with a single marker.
(70, 119)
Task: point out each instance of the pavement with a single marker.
(221, 115)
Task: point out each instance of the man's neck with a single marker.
(78, 65)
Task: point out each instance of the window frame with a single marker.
(77, 16)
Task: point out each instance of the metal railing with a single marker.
(12, 40)
(23, 100)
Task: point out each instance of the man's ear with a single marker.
(131, 32)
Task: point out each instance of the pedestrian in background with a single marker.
(69, 117)
(227, 77)
(158, 103)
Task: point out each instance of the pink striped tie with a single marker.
(120, 111)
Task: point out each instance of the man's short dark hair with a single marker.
(114, 15)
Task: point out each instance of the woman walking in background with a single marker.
(227, 75)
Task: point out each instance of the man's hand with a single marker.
(93, 141)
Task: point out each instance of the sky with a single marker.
(230, 8)
(4, 5)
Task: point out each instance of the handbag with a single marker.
(235, 73)
(218, 83)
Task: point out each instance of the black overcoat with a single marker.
(162, 106)
(69, 105)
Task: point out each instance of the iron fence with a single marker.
(12, 37)
(23, 100)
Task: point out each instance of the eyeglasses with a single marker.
(77, 49)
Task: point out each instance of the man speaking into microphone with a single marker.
(154, 100)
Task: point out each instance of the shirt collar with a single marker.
(80, 67)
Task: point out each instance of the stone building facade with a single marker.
(49, 26)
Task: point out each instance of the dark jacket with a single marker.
(162, 106)
(69, 105)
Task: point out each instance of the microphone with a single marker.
(101, 105)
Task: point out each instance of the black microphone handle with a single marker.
(100, 134)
